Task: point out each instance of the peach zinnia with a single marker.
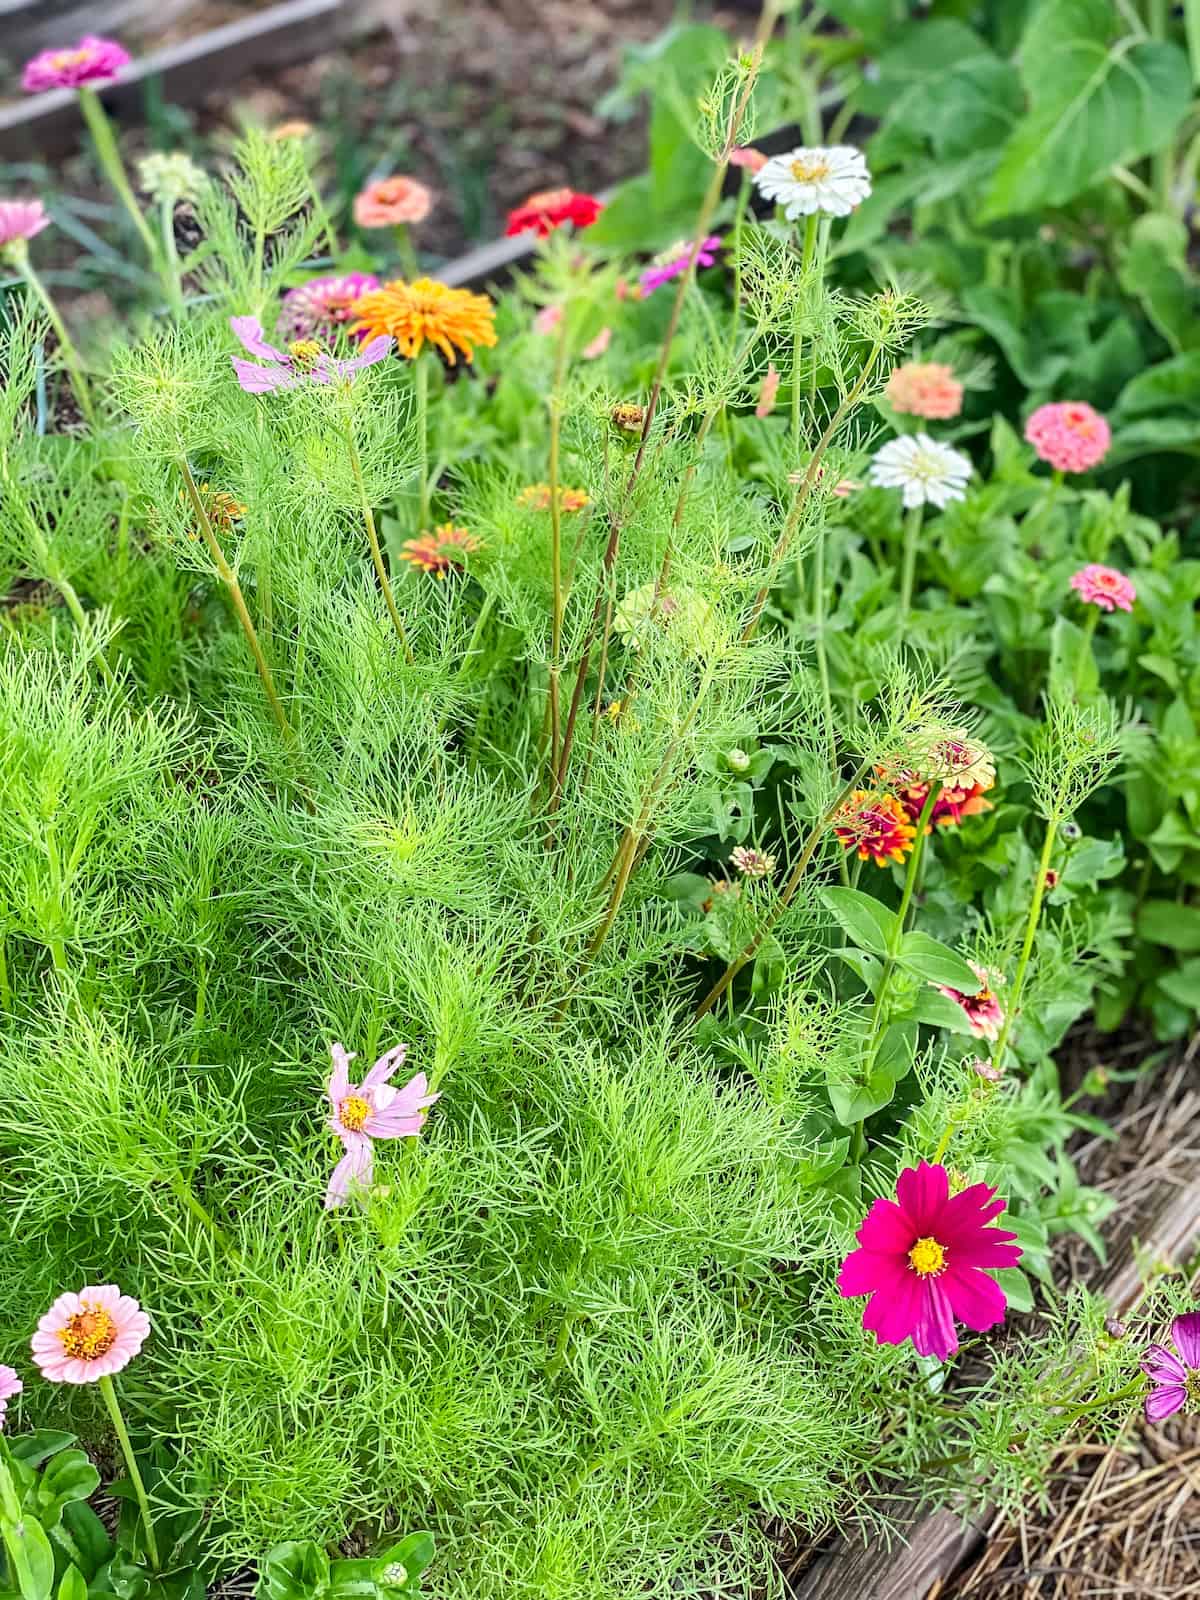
(451, 319)
(392, 201)
(90, 1335)
(925, 389)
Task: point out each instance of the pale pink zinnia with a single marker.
(752, 863)
(925, 389)
(982, 1010)
(925, 1259)
(390, 201)
(1069, 435)
(547, 319)
(10, 1385)
(21, 219)
(92, 60)
(370, 1110)
(1105, 587)
(89, 1335)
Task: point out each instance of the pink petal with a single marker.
(385, 1066)
(254, 379)
(969, 1210)
(922, 1192)
(1165, 1402)
(339, 1078)
(377, 349)
(354, 1170)
(892, 1315)
(1163, 1366)
(934, 1333)
(403, 1118)
(865, 1271)
(1185, 1331)
(886, 1228)
(248, 331)
(974, 1298)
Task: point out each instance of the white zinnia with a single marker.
(802, 181)
(929, 473)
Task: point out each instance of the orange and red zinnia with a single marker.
(877, 826)
(552, 208)
(426, 310)
(441, 551)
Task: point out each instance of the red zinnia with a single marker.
(550, 209)
(876, 826)
(925, 1259)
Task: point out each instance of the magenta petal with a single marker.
(922, 1192)
(886, 1228)
(969, 1210)
(933, 1334)
(262, 380)
(1163, 1366)
(1165, 1402)
(893, 1313)
(865, 1271)
(974, 1298)
(1185, 1331)
(990, 1248)
(248, 331)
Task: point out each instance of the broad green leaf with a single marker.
(414, 1552)
(1073, 667)
(69, 1476)
(1154, 269)
(1099, 97)
(939, 1011)
(896, 1050)
(854, 1102)
(1171, 385)
(935, 962)
(1018, 1291)
(1183, 985)
(869, 924)
(90, 1545)
(30, 1558)
(1166, 922)
(72, 1585)
(34, 1448)
(296, 1570)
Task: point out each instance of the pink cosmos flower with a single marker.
(1069, 435)
(748, 157)
(390, 201)
(983, 1012)
(1104, 587)
(89, 1335)
(21, 219)
(766, 395)
(92, 60)
(1174, 1379)
(677, 259)
(925, 1259)
(597, 346)
(322, 305)
(547, 319)
(10, 1385)
(370, 1110)
(925, 389)
(304, 360)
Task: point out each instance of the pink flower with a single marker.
(322, 305)
(1069, 435)
(10, 1385)
(925, 389)
(547, 319)
(746, 156)
(677, 259)
(766, 395)
(752, 863)
(21, 219)
(924, 1259)
(1104, 587)
(1174, 1379)
(983, 1012)
(390, 201)
(597, 346)
(370, 1110)
(92, 60)
(304, 360)
(89, 1335)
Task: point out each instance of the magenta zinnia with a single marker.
(92, 60)
(925, 1259)
(322, 305)
(90, 1335)
(1174, 1379)
(983, 1012)
(20, 220)
(370, 1110)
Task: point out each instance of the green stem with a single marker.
(373, 540)
(1085, 649)
(912, 537)
(109, 154)
(186, 1195)
(879, 1010)
(135, 1477)
(1191, 22)
(421, 389)
(1035, 911)
(819, 633)
(556, 577)
(404, 248)
(810, 241)
(65, 343)
(67, 589)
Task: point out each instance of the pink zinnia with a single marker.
(982, 1011)
(391, 201)
(676, 260)
(92, 60)
(21, 219)
(370, 1110)
(1174, 1379)
(1104, 587)
(748, 157)
(89, 1335)
(925, 1259)
(322, 304)
(925, 389)
(10, 1385)
(1069, 435)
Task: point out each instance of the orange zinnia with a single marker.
(451, 319)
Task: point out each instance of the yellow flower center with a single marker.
(69, 58)
(809, 171)
(928, 1258)
(90, 1334)
(304, 351)
(353, 1112)
(1193, 1388)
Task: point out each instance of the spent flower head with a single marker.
(171, 176)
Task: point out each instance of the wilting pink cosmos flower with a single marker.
(391, 201)
(92, 60)
(10, 1385)
(596, 347)
(1069, 435)
(303, 361)
(1104, 587)
(983, 1012)
(748, 157)
(21, 219)
(925, 1259)
(925, 389)
(770, 388)
(370, 1110)
(1174, 1379)
(322, 305)
(677, 259)
(547, 319)
(89, 1335)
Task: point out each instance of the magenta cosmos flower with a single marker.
(370, 1110)
(1069, 435)
(303, 361)
(1174, 1379)
(925, 1259)
(1104, 587)
(89, 1335)
(92, 60)
(20, 220)
(10, 1385)
(322, 305)
(676, 260)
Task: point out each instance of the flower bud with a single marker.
(737, 760)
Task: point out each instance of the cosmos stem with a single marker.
(135, 1477)
(373, 540)
(1031, 925)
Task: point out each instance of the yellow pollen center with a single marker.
(353, 1112)
(69, 58)
(89, 1334)
(304, 351)
(809, 171)
(928, 1258)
